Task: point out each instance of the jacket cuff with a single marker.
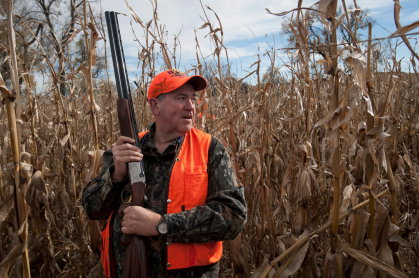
(175, 224)
(107, 177)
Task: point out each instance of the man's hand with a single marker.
(140, 221)
(124, 152)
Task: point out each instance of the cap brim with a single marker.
(198, 82)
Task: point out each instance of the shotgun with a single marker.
(135, 263)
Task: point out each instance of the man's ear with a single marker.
(154, 105)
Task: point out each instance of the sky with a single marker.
(248, 28)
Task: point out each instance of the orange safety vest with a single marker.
(188, 188)
(106, 255)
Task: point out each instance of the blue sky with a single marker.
(237, 17)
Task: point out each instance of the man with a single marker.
(192, 200)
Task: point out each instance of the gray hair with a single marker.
(161, 97)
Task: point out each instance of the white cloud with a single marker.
(377, 5)
(236, 17)
(409, 17)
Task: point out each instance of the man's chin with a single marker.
(185, 129)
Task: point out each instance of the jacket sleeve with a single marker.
(225, 212)
(101, 195)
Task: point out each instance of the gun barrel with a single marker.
(121, 76)
(120, 69)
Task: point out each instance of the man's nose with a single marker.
(190, 104)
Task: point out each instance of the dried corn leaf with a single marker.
(385, 256)
(64, 140)
(334, 120)
(376, 130)
(370, 260)
(87, 104)
(293, 119)
(235, 249)
(261, 268)
(397, 238)
(25, 157)
(72, 36)
(398, 262)
(412, 170)
(405, 29)
(358, 268)
(5, 208)
(294, 262)
(304, 185)
(72, 74)
(368, 272)
(359, 228)
(70, 272)
(331, 266)
(136, 18)
(380, 218)
(354, 104)
(264, 198)
(95, 162)
(38, 182)
(13, 254)
(347, 193)
(93, 39)
(4, 271)
(6, 92)
(96, 272)
(257, 159)
(359, 64)
(301, 219)
(329, 7)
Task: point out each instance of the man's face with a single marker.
(177, 111)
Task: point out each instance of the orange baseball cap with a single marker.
(172, 79)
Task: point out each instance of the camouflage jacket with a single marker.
(221, 218)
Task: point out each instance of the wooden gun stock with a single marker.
(135, 252)
(135, 263)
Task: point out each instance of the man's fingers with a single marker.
(126, 211)
(124, 147)
(133, 212)
(126, 223)
(124, 153)
(127, 231)
(133, 153)
(123, 139)
(126, 159)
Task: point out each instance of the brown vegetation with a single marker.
(328, 158)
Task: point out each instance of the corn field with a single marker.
(327, 149)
